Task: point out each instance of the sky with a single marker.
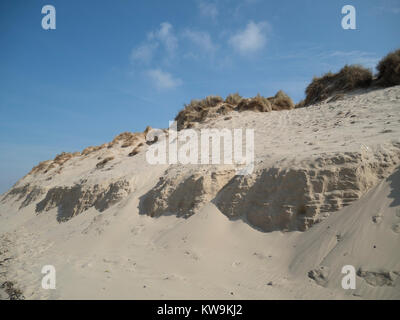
(120, 65)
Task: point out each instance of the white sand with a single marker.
(121, 254)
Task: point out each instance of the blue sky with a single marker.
(114, 66)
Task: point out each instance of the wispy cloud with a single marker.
(208, 9)
(200, 39)
(144, 53)
(162, 79)
(241, 6)
(160, 43)
(331, 59)
(166, 36)
(251, 39)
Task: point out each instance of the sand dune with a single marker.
(324, 193)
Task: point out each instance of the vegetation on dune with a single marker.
(212, 106)
(233, 99)
(330, 86)
(347, 79)
(258, 103)
(199, 110)
(281, 101)
(353, 77)
(389, 70)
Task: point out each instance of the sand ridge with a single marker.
(324, 193)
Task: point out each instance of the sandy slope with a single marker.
(338, 160)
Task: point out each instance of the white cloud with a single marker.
(200, 39)
(250, 40)
(163, 80)
(208, 9)
(144, 53)
(166, 36)
(163, 36)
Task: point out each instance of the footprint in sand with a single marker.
(137, 230)
(377, 219)
(261, 256)
(396, 228)
(192, 255)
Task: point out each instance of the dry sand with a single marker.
(325, 193)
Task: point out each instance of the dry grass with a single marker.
(126, 139)
(347, 79)
(213, 106)
(103, 162)
(224, 109)
(258, 103)
(281, 101)
(147, 130)
(42, 166)
(136, 150)
(59, 160)
(91, 149)
(197, 111)
(124, 136)
(206, 103)
(233, 99)
(63, 157)
(389, 70)
(211, 101)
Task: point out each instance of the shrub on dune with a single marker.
(389, 70)
(281, 101)
(42, 166)
(126, 139)
(347, 79)
(233, 99)
(213, 106)
(63, 157)
(196, 111)
(258, 103)
(92, 149)
(212, 101)
(207, 102)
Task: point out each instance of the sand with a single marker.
(325, 193)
